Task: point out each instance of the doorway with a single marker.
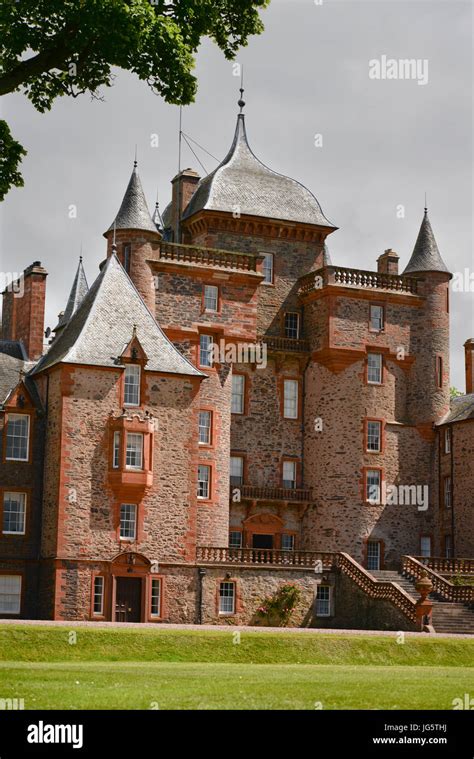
(128, 599)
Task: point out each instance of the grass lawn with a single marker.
(114, 668)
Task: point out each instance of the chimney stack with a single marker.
(23, 310)
(184, 186)
(387, 263)
(469, 354)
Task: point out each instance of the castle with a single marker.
(147, 478)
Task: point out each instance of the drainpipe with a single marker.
(201, 575)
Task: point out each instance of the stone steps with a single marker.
(448, 617)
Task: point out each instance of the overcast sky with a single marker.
(385, 142)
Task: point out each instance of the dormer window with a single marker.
(132, 385)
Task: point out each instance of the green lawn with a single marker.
(120, 668)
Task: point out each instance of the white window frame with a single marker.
(377, 323)
(268, 270)
(292, 328)
(156, 582)
(23, 501)
(323, 605)
(132, 389)
(137, 450)
(374, 367)
(211, 298)
(238, 394)
(226, 597)
(240, 476)
(205, 353)
(127, 520)
(205, 482)
(16, 610)
(13, 418)
(373, 437)
(98, 594)
(290, 401)
(289, 467)
(377, 555)
(205, 427)
(368, 485)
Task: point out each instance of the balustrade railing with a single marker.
(415, 568)
(339, 275)
(226, 259)
(264, 557)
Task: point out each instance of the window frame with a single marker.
(367, 500)
(28, 418)
(94, 595)
(447, 493)
(208, 350)
(368, 368)
(209, 442)
(130, 467)
(208, 496)
(129, 539)
(328, 600)
(373, 329)
(368, 422)
(128, 367)
(239, 532)
(425, 537)
(268, 256)
(447, 440)
(206, 308)
(158, 614)
(285, 328)
(20, 575)
(227, 612)
(237, 456)
(15, 533)
(377, 543)
(287, 536)
(243, 377)
(296, 381)
(294, 463)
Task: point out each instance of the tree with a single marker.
(51, 48)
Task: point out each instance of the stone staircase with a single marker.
(448, 617)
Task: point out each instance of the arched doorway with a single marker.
(129, 572)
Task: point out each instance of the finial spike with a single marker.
(426, 204)
(135, 163)
(241, 101)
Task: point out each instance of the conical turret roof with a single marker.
(425, 256)
(78, 292)
(134, 213)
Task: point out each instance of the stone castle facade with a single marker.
(225, 410)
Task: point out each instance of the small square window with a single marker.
(211, 297)
(131, 396)
(227, 598)
(205, 350)
(128, 521)
(374, 368)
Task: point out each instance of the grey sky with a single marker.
(384, 142)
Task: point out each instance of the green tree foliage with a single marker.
(51, 48)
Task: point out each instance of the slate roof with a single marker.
(134, 213)
(102, 326)
(425, 256)
(78, 292)
(9, 374)
(462, 408)
(14, 348)
(242, 181)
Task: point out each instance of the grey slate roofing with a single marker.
(134, 213)
(9, 374)
(461, 408)
(242, 181)
(103, 324)
(78, 292)
(14, 348)
(425, 256)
